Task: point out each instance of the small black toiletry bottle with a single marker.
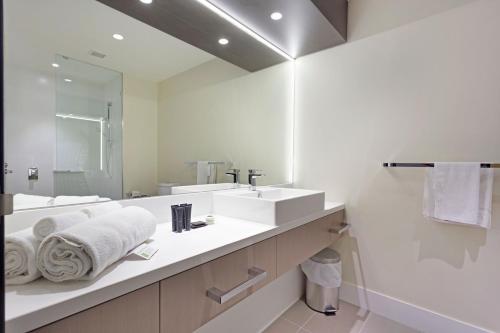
(187, 216)
(184, 220)
(179, 218)
(174, 217)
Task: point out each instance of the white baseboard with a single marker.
(413, 316)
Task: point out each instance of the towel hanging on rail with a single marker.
(459, 193)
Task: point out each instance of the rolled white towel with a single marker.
(83, 251)
(101, 209)
(74, 199)
(20, 257)
(55, 223)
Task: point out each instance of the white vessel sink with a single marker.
(205, 188)
(268, 205)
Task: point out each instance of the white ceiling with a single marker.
(37, 30)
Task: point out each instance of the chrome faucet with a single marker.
(236, 175)
(253, 174)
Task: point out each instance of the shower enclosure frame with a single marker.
(2, 178)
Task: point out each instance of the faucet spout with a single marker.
(235, 173)
(253, 174)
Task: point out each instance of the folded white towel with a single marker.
(20, 257)
(55, 223)
(83, 251)
(71, 200)
(459, 193)
(27, 201)
(101, 209)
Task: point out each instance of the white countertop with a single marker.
(42, 302)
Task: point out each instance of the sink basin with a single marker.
(205, 188)
(268, 205)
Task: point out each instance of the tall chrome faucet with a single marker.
(236, 175)
(253, 174)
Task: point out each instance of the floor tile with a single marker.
(282, 326)
(377, 324)
(299, 313)
(349, 319)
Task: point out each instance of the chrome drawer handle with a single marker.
(342, 228)
(255, 274)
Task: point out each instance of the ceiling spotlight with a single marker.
(147, 1)
(276, 16)
(207, 4)
(223, 41)
(55, 65)
(118, 37)
(68, 80)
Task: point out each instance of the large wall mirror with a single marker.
(101, 106)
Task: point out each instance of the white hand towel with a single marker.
(55, 223)
(20, 257)
(202, 172)
(101, 209)
(71, 200)
(83, 251)
(459, 193)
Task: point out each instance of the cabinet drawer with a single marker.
(184, 303)
(296, 245)
(135, 312)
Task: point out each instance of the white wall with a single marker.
(140, 135)
(29, 127)
(425, 91)
(233, 116)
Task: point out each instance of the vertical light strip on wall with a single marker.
(101, 153)
(96, 120)
(244, 28)
(292, 134)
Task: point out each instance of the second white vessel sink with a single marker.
(268, 205)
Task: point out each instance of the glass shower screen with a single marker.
(88, 130)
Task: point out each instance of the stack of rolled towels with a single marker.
(77, 245)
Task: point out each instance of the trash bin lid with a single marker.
(326, 256)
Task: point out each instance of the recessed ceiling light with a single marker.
(276, 16)
(243, 28)
(147, 1)
(118, 37)
(55, 65)
(68, 80)
(223, 41)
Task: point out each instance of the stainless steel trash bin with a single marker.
(319, 298)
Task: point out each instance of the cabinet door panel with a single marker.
(137, 311)
(184, 303)
(296, 245)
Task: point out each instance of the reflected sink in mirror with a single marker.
(269, 205)
(206, 187)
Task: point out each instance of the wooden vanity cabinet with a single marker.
(134, 312)
(184, 303)
(295, 246)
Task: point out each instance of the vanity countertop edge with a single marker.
(42, 302)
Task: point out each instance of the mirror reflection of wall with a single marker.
(101, 116)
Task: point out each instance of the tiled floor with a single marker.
(350, 319)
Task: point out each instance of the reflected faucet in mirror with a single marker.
(235, 173)
(253, 174)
